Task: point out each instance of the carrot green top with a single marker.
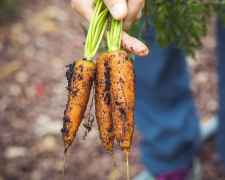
(101, 20)
(114, 34)
(95, 31)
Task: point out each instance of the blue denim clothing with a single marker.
(165, 112)
(221, 73)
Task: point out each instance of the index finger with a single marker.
(133, 45)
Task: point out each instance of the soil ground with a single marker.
(35, 46)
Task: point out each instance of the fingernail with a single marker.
(147, 52)
(141, 49)
(118, 11)
(143, 52)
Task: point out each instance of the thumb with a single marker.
(118, 8)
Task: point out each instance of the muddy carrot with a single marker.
(79, 90)
(102, 102)
(80, 79)
(79, 86)
(103, 105)
(122, 89)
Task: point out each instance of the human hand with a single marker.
(120, 9)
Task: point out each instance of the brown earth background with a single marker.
(35, 46)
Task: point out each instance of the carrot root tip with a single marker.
(64, 164)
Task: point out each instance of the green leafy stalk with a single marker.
(114, 34)
(95, 31)
(102, 22)
(94, 3)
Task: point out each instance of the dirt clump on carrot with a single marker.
(69, 74)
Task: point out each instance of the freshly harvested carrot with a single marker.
(122, 96)
(102, 102)
(79, 91)
(103, 105)
(80, 78)
(122, 89)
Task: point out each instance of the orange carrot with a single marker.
(80, 78)
(122, 96)
(102, 103)
(80, 83)
(122, 88)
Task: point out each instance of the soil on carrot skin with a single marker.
(69, 76)
(107, 84)
(107, 77)
(69, 73)
(122, 111)
(107, 98)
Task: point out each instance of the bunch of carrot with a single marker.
(114, 80)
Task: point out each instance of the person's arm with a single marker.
(129, 10)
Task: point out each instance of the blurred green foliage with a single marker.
(8, 8)
(180, 23)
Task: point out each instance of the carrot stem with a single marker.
(114, 35)
(102, 23)
(95, 31)
(89, 34)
